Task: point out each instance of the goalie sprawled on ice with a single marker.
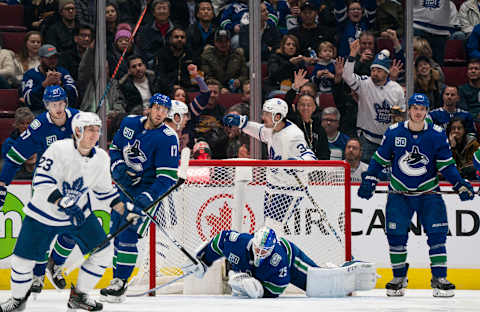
(263, 266)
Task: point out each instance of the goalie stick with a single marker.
(323, 214)
(182, 175)
(161, 286)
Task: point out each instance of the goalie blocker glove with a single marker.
(234, 120)
(464, 189)
(367, 187)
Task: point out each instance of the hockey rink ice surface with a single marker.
(374, 300)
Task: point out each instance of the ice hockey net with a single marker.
(244, 195)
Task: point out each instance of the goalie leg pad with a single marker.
(341, 281)
(244, 285)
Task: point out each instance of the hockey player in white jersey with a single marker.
(284, 139)
(376, 96)
(68, 174)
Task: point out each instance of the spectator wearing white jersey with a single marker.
(376, 96)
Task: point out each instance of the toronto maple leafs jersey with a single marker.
(151, 154)
(415, 158)
(288, 143)
(442, 117)
(274, 271)
(40, 134)
(432, 16)
(63, 171)
(374, 102)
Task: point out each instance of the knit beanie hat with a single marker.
(122, 33)
(382, 60)
(62, 3)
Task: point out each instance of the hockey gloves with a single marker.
(3, 195)
(69, 206)
(133, 214)
(234, 120)
(367, 187)
(125, 176)
(464, 189)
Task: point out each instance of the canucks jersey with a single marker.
(441, 117)
(151, 154)
(476, 162)
(40, 134)
(374, 102)
(288, 143)
(274, 271)
(415, 158)
(32, 89)
(337, 146)
(63, 171)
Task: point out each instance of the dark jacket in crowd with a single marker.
(271, 38)
(195, 41)
(60, 36)
(150, 40)
(280, 68)
(133, 99)
(172, 70)
(311, 37)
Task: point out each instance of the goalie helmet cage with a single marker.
(307, 202)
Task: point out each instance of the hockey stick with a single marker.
(182, 175)
(323, 214)
(161, 286)
(413, 192)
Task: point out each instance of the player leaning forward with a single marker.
(416, 151)
(73, 171)
(263, 265)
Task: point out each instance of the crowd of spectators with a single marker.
(316, 54)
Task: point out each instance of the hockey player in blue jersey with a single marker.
(71, 172)
(476, 164)
(262, 266)
(48, 127)
(144, 160)
(416, 150)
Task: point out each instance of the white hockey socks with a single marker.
(21, 276)
(93, 268)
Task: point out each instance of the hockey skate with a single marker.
(37, 285)
(54, 273)
(13, 304)
(115, 292)
(396, 287)
(82, 301)
(442, 287)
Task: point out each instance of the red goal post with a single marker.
(307, 202)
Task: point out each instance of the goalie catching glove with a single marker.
(244, 285)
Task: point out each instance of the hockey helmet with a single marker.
(419, 99)
(161, 99)
(82, 120)
(263, 242)
(54, 94)
(180, 108)
(276, 106)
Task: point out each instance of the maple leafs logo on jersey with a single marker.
(134, 156)
(74, 191)
(383, 112)
(413, 163)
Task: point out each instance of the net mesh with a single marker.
(304, 204)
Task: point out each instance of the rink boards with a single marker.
(368, 238)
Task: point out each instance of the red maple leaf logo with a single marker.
(222, 222)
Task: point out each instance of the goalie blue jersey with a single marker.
(415, 158)
(40, 134)
(274, 271)
(151, 154)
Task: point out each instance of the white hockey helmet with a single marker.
(276, 106)
(180, 108)
(263, 243)
(82, 120)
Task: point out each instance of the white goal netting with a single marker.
(307, 202)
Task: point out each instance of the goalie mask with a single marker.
(276, 106)
(264, 241)
(178, 108)
(82, 120)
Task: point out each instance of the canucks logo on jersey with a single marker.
(413, 163)
(134, 156)
(74, 191)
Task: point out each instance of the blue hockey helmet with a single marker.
(419, 99)
(264, 241)
(54, 94)
(161, 99)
